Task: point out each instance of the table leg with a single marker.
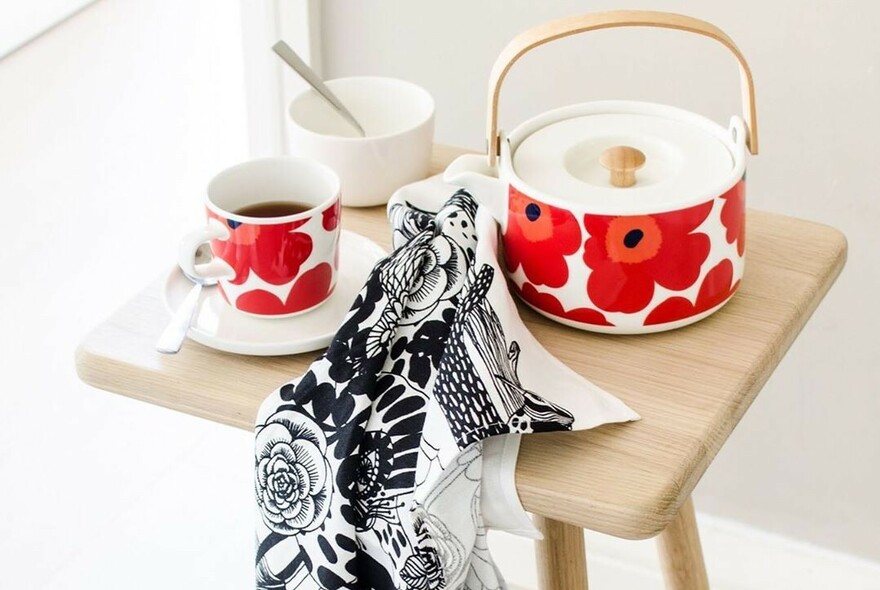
(562, 561)
(681, 554)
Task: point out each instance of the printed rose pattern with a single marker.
(293, 483)
(538, 237)
(630, 255)
(442, 273)
(733, 215)
(550, 304)
(714, 290)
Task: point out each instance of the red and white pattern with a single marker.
(630, 273)
(281, 269)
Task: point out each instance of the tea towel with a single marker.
(368, 468)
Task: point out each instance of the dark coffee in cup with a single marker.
(273, 209)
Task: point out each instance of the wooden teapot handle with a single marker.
(565, 27)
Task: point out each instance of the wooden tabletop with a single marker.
(691, 386)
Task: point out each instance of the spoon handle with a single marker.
(286, 53)
(175, 332)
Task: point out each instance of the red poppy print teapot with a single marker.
(617, 216)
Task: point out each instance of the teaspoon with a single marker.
(286, 53)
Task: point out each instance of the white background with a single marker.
(111, 125)
(21, 21)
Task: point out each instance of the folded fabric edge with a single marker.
(502, 508)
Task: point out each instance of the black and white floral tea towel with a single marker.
(368, 468)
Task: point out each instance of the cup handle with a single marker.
(186, 253)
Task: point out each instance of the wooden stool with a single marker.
(691, 387)
(562, 563)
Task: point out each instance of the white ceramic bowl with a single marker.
(398, 117)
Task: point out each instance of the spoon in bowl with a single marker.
(175, 332)
(290, 57)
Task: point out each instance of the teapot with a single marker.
(617, 216)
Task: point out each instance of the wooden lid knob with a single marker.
(622, 161)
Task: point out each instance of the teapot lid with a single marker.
(627, 161)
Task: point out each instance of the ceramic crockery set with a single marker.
(286, 272)
(616, 216)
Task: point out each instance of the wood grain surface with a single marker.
(691, 386)
(560, 556)
(681, 554)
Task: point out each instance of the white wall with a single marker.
(110, 127)
(20, 21)
(805, 461)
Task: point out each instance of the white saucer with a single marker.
(217, 325)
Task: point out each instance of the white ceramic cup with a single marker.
(398, 117)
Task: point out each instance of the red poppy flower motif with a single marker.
(631, 254)
(538, 236)
(274, 252)
(308, 291)
(330, 216)
(550, 304)
(716, 288)
(733, 215)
